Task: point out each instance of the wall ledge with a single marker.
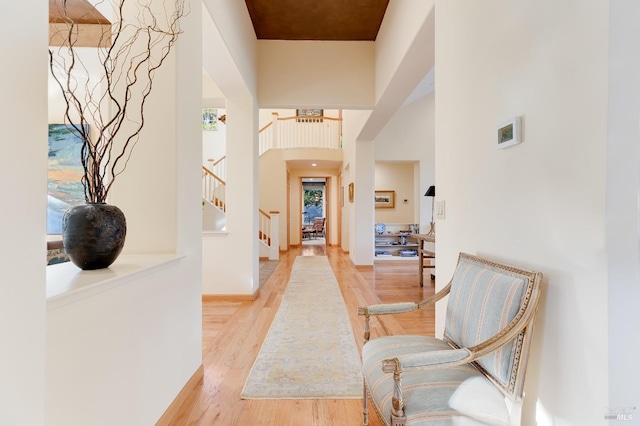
(66, 283)
(210, 234)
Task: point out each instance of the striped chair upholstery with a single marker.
(458, 387)
(482, 301)
(428, 394)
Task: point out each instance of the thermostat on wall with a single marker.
(508, 133)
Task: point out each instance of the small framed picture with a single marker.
(385, 199)
(209, 118)
(309, 115)
(508, 133)
(351, 192)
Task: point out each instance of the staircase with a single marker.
(214, 189)
(214, 209)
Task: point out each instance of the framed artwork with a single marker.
(64, 175)
(508, 133)
(209, 118)
(385, 199)
(309, 115)
(351, 192)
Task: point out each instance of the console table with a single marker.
(424, 254)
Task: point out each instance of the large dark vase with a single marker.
(93, 235)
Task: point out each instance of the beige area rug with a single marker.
(310, 351)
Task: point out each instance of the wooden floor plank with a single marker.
(233, 333)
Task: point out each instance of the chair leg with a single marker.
(365, 403)
(398, 421)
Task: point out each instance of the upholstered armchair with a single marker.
(475, 374)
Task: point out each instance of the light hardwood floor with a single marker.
(233, 333)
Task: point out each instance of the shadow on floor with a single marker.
(266, 269)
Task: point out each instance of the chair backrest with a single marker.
(485, 297)
(318, 224)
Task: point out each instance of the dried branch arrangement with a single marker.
(107, 109)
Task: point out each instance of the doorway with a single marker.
(314, 211)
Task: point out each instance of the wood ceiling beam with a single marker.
(91, 28)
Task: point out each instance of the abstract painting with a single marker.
(64, 175)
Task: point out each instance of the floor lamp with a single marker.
(431, 192)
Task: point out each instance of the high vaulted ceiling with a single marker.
(316, 19)
(274, 20)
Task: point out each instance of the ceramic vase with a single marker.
(93, 235)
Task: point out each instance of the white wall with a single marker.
(404, 56)
(540, 204)
(273, 189)
(120, 354)
(23, 189)
(230, 260)
(160, 195)
(229, 54)
(397, 177)
(401, 25)
(352, 125)
(623, 186)
(410, 136)
(148, 185)
(320, 74)
(214, 142)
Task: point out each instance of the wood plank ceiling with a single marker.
(342, 20)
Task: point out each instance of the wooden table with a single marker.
(307, 231)
(424, 254)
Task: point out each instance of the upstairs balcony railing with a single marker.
(301, 132)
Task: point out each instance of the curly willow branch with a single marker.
(141, 38)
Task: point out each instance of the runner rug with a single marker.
(310, 351)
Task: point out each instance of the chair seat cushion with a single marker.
(444, 396)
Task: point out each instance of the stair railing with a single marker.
(264, 227)
(269, 232)
(214, 189)
(219, 167)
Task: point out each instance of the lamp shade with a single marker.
(431, 192)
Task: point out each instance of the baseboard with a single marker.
(170, 412)
(263, 258)
(360, 267)
(231, 297)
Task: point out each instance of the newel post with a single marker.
(275, 143)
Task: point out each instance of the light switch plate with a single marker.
(440, 209)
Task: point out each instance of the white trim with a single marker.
(66, 283)
(515, 124)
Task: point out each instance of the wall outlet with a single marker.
(440, 209)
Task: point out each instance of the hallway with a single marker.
(233, 333)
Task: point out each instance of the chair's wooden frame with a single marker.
(519, 329)
(318, 226)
